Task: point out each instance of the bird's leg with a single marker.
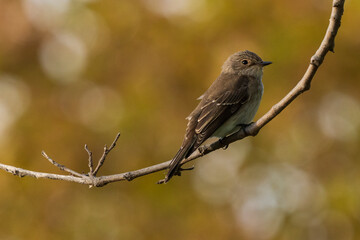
(201, 150)
(177, 172)
(180, 169)
(221, 140)
(187, 169)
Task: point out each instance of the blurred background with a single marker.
(76, 72)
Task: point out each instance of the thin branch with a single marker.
(24, 172)
(106, 152)
(61, 167)
(90, 160)
(90, 164)
(303, 85)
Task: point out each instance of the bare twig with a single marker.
(24, 172)
(61, 167)
(106, 151)
(90, 160)
(251, 130)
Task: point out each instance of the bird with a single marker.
(230, 103)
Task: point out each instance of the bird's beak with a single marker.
(264, 63)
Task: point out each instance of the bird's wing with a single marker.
(216, 111)
(221, 108)
(209, 115)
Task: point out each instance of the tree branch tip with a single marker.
(88, 150)
(115, 141)
(117, 135)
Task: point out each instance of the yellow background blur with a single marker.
(76, 72)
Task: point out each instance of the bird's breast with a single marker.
(245, 114)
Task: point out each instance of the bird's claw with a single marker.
(201, 150)
(176, 173)
(180, 169)
(161, 181)
(187, 169)
(221, 140)
(244, 126)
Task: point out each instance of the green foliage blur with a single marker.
(79, 71)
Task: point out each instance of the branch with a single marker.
(303, 85)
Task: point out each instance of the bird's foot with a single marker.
(180, 169)
(221, 140)
(162, 181)
(187, 169)
(244, 126)
(176, 173)
(201, 150)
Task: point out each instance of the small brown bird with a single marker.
(231, 102)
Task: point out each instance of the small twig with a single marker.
(24, 172)
(61, 167)
(105, 153)
(91, 172)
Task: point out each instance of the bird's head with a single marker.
(244, 63)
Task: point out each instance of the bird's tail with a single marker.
(184, 151)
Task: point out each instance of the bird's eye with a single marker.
(244, 62)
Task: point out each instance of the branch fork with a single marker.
(89, 178)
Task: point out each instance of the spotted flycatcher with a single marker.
(231, 102)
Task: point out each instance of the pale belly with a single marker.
(243, 116)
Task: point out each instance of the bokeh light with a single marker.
(339, 116)
(266, 194)
(170, 8)
(63, 57)
(215, 178)
(14, 100)
(46, 14)
(100, 108)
